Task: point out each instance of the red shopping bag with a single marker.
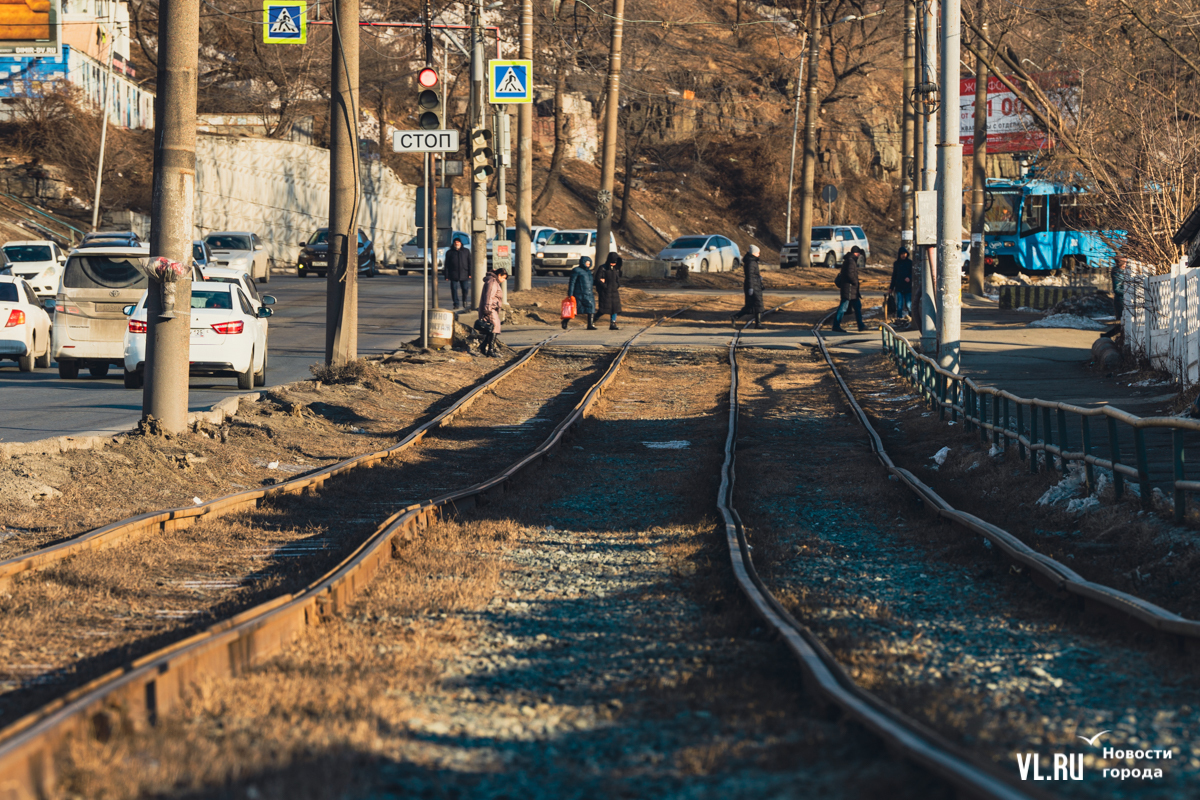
(568, 308)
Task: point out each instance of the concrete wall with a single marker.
(280, 190)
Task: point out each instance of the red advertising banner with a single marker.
(1010, 126)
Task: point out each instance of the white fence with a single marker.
(1162, 319)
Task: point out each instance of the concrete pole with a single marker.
(907, 173)
(524, 261)
(478, 186)
(925, 260)
(979, 162)
(341, 298)
(950, 195)
(432, 233)
(500, 137)
(425, 255)
(168, 339)
(104, 114)
(808, 168)
(608, 163)
(787, 237)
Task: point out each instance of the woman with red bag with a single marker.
(580, 287)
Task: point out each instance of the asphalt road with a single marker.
(38, 404)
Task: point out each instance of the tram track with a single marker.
(146, 681)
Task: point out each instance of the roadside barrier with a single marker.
(1045, 427)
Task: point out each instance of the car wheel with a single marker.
(737, 263)
(260, 377)
(133, 380)
(98, 370)
(831, 261)
(301, 273)
(68, 370)
(266, 276)
(25, 363)
(246, 379)
(704, 265)
(43, 361)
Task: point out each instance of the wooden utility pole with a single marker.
(524, 261)
(608, 164)
(168, 334)
(979, 160)
(808, 168)
(341, 300)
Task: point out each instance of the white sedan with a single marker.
(704, 253)
(240, 250)
(241, 279)
(38, 261)
(25, 337)
(229, 336)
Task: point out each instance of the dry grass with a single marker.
(360, 370)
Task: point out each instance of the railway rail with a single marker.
(150, 685)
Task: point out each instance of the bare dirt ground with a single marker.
(64, 625)
(580, 636)
(928, 617)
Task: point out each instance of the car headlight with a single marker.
(541, 255)
(572, 255)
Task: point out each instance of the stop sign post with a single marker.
(829, 194)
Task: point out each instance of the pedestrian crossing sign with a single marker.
(285, 22)
(510, 81)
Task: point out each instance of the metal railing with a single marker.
(1042, 429)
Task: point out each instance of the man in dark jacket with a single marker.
(847, 282)
(458, 272)
(608, 286)
(901, 286)
(752, 288)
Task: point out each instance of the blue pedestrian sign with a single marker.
(285, 22)
(510, 81)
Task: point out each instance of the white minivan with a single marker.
(562, 251)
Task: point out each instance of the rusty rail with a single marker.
(150, 687)
(1044, 569)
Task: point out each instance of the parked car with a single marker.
(414, 248)
(562, 250)
(314, 255)
(229, 336)
(239, 278)
(829, 244)
(110, 239)
(240, 250)
(38, 261)
(538, 234)
(201, 255)
(25, 337)
(704, 253)
(89, 325)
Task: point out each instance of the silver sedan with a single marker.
(705, 253)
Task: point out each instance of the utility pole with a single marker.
(979, 158)
(341, 298)
(925, 261)
(808, 169)
(168, 334)
(104, 113)
(907, 171)
(524, 262)
(950, 196)
(608, 164)
(500, 132)
(478, 181)
(787, 237)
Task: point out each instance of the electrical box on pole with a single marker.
(504, 146)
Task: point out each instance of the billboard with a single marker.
(1010, 126)
(30, 27)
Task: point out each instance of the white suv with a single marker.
(563, 249)
(830, 243)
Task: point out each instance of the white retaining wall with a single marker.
(280, 190)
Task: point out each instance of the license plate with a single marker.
(318, 263)
(199, 333)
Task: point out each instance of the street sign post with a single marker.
(829, 194)
(285, 22)
(444, 141)
(510, 81)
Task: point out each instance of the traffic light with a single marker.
(482, 154)
(429, 101)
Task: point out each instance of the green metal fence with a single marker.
(1044, 431)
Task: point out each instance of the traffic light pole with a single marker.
(524, 260)
(604, 197)
(341, 299)
(168, 338)
(478, 182)
(425, 259)
(926, 261)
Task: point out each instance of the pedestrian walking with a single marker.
(862, 257)
(752, 288)
(491, 300)
(901, 285)
(847, 283)
(458, 272)
(581, 288)
(608, 286)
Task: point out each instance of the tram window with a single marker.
(1000, 215)
(1033, 214)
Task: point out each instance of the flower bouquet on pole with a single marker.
(166, 273)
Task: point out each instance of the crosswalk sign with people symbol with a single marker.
(510, 81)
(285, 22)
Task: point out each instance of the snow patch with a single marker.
(1068, 321)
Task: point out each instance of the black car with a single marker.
(314, 255)
(110, 239)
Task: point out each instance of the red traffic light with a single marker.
(428, 77)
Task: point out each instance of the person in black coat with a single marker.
(608, 287)
(901, 286)
(752, 288)
(458, 272)
(847, 283)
